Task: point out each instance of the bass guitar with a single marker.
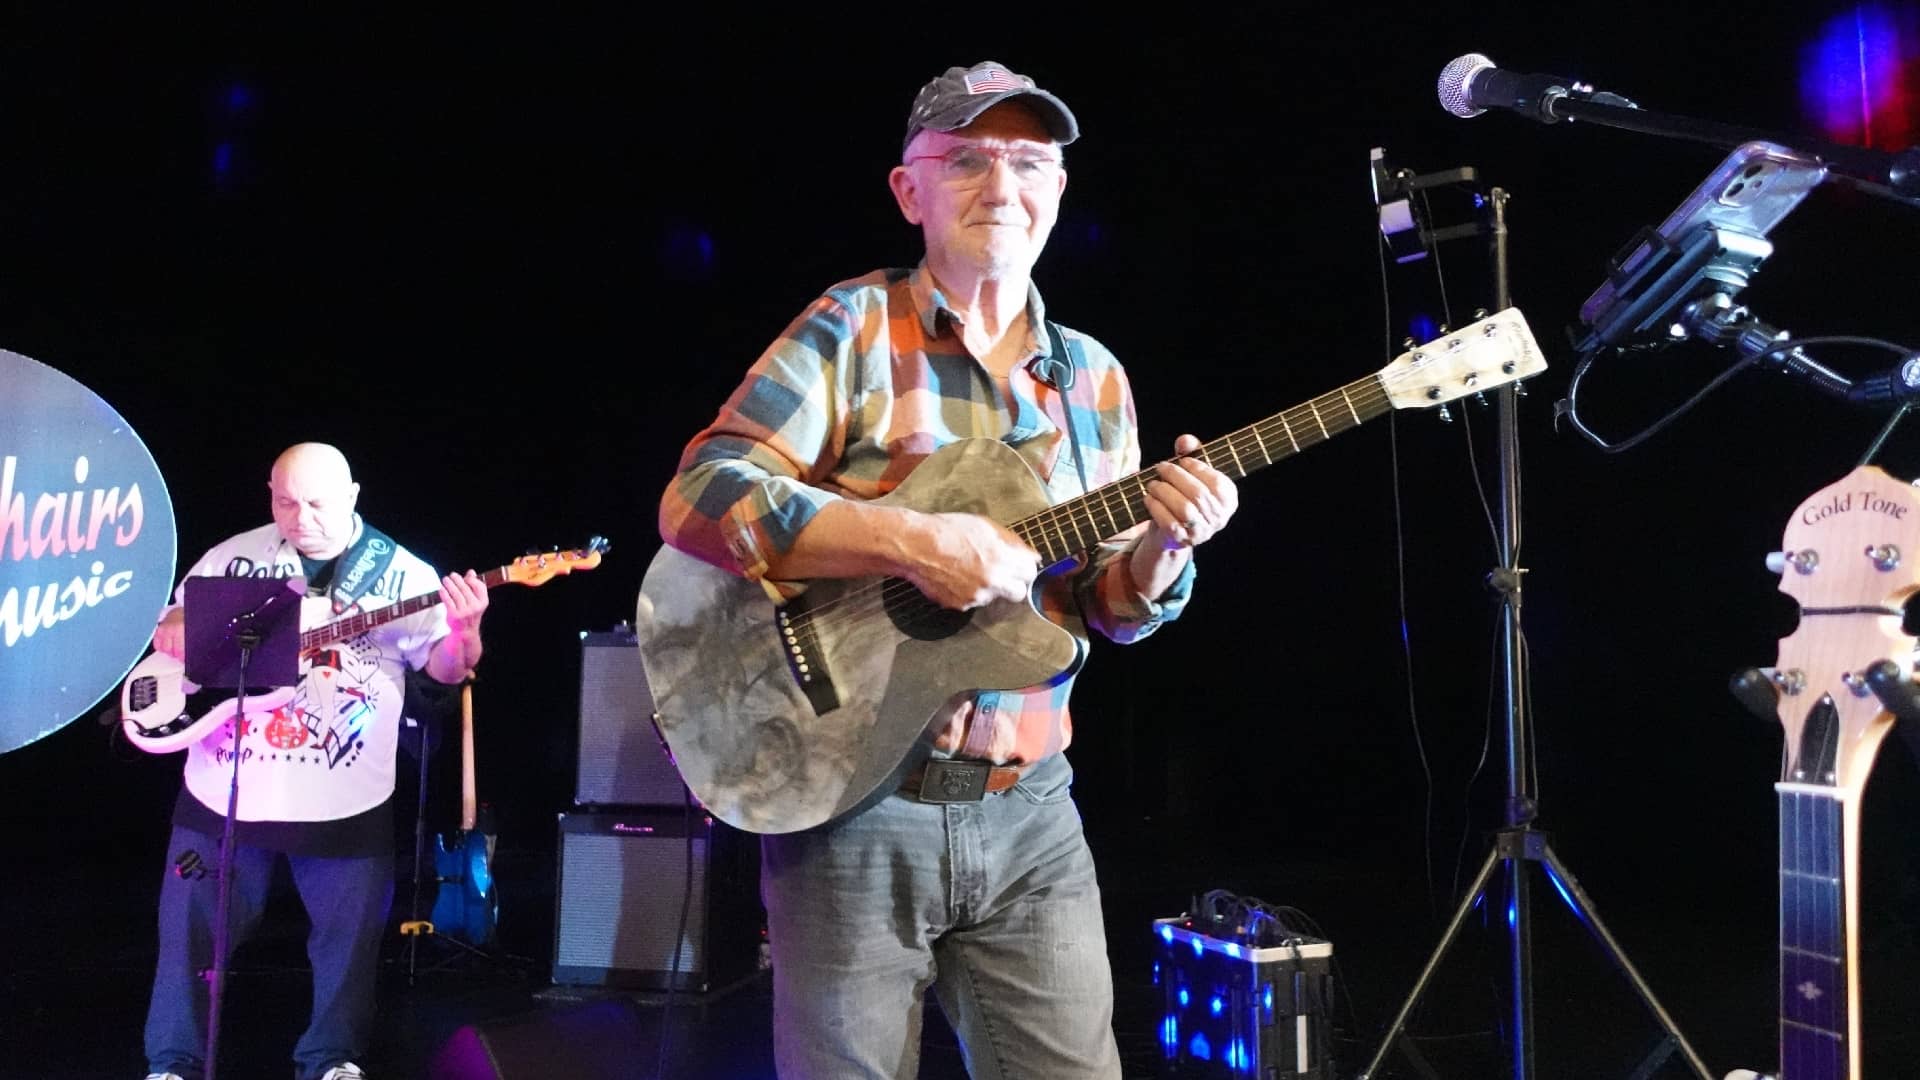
(161, 711)
(784, 717)
(466, 906)
(1850, 558)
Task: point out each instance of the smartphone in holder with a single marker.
(1714, 242)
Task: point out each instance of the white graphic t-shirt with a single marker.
(324, 749)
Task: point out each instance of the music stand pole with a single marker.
(248, 638)
(249, 614)
(1517, 842)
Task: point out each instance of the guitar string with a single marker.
(1810, 819)
(1373, 393)
(1363, 400)
(368, 618)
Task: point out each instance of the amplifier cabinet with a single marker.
(624, 880)
(622, 760)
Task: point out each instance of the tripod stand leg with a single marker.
(1583, 907)
(1520, 926)
(1433, 963)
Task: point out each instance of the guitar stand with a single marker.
(1519, 842)
(416, 927)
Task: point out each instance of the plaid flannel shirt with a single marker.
(863, 386)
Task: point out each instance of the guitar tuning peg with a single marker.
(1755, 689)
(1894, 688)
(1445, 414)
(1804, 561)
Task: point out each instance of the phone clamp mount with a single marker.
(1714, 242)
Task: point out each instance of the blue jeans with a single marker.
(347, 901)
(993, 904)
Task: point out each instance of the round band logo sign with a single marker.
(86, 550)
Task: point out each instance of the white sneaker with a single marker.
(346, 1070)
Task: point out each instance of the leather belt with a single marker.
(944, 780)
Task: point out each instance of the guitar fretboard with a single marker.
(359, 623)
(1814, 982)
(1066, 529)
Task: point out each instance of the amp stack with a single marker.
(652, 892)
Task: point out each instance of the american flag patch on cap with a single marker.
(990, 80)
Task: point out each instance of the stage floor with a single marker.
(79, 954)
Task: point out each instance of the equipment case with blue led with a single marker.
(1236, 1010)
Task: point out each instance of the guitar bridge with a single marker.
(802, 650)
(143, 692)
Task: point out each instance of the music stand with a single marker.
(221, 611)
(241, 633)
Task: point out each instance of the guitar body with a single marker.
(466, 906)
(160, 711)
(786, 717)
(769, 750)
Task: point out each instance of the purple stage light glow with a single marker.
(1858, 81)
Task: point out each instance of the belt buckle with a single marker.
(954, 781)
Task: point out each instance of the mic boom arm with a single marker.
(1471, 84)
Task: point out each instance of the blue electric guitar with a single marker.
(467, 906)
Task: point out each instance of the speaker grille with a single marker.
(623, 880)
(602, 878)
(621, 759)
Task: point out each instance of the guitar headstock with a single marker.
(1850, 558)
(1482, 355)
(541, 567)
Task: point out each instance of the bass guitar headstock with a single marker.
(541, 567)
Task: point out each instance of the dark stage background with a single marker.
(511, 263)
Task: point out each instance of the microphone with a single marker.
(1471, 84)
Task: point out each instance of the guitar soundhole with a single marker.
(920, 618)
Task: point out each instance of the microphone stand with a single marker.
(1889, 175)
(1519, 842)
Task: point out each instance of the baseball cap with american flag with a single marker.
(954, 99)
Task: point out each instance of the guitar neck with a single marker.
(361, 622)
(1819, 1006)
(1076, 525)
(469, 794)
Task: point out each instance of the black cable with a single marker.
(680, 934)
(1569, 407)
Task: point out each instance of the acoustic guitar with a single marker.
(785, 717)
(1850, 558)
